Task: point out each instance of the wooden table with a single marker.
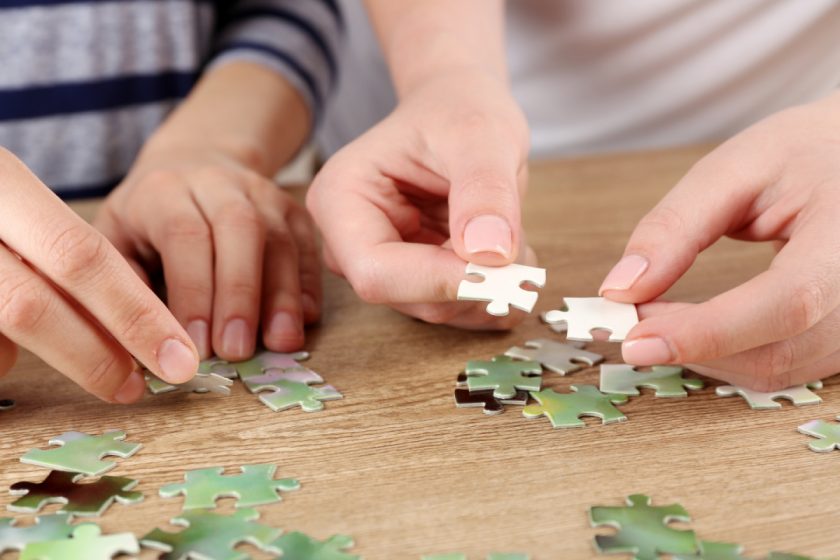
(397, 466)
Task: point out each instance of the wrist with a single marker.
(171, 145)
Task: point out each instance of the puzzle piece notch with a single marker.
(298, 546)
(213, 536)
(46, 528)
(799, 395)
(464, 398)
(287, 394)
(564, 410)
(827, 432)
(583, 315)
(504, 375)
(82, 453)
(87, 543)
(556, 356)
(642, 529)
(201, 383)
(88, 499)
(254, 485)
(716, 551)
(666, 381)
(501, 286)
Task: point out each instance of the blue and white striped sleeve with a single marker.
(298, 38)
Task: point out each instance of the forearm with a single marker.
(244, 110)
(424, 39)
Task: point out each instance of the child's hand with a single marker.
(68, 296)
(435, 184)
(236, 250)
(779, 180)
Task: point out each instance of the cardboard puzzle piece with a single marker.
(666, 381)
(298, 546)
(583, 315)
(827, 432)
(82, 453)
(800, 395)
(87, 499)
(464, 398)
(265, 360)
(254, 486)
(556, 356)
(504, 376)
(46, 528)
(643, 529)
(87, 543)
(201, 383)
(217, 366)
(288, 394)
(269, 379)
(715, 551)
(213, 536)
(501, 286)
(564, 410)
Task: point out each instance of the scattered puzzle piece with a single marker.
(565, 409)
(87, 544)
(81, 453)
(212, 536)
(46, 528)
(6, 404)
(828, 432)
(265, 360)
(556, 356)
(255, 486)
(715, 551)
(504, 376)
(464, 398)
(287, 394)
(201, 383)
(88, 499)
(297, 546)
(799, 395)
(583, 315)
(667, 381)
(501, 286)
(643, 529)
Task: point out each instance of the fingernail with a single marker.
(177, 362)
(237, 339)
(309, 305)
(131, 389)
(648, 351)
(199, 332)
(488, 234)
(283, 325)
(624, 274)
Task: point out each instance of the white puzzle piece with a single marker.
(556, 356)
(501, 286)
(798, 395)
(583, 315)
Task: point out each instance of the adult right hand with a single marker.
(68, 296)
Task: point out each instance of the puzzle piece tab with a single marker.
(667, 381)
(464, 398)
(298, 546)
(213, 536)
(87, 544)
(201, 383)
(556, 356)
(800, 395)
(86, 499)
(255, 486)
(288, 394)
(504, 376)
(81, 453)
(502, 287)
(46, 528)
(564, 410)
(583, 315)
(643, 529)
(827, 432)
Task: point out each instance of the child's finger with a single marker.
(309, 263)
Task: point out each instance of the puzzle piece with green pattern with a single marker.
(504, 375)
(715, 551)
(46, 528)
(283, 394)
(667, 381)
(82, 453)
(298, 546)
(564, 410)
(86, 499)
(87, 543)
(827, 432)
(201, 383)
(265, 361)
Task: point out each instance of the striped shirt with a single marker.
(84, 83)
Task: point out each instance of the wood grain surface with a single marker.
(398, 467)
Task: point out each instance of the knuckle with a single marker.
(806, 306)
(77, 252)
(100, 379)
(240, 216)
(365, 280)
(23, 303)
(187, 227)
(160, 179)
(774, 361)
(244, 288)
(136, 321)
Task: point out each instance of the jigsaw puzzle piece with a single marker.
(667, 381)
(88, 499)
(217, 366)
(827, 432)
(583, 315)
(716, 551)
(502, 287)
(504, 375)
(254, 486)
(464, 398)
(213, 536)
(87, 543)
(82, 453)
(269, 378)
(265, 360)
(288, 394)
(564, 410)
(201, 383)
(800, 395)
(556, 356)
(298, 546)
(643, 529)
(46, 528)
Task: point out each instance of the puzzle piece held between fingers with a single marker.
(583, 315)
(255, 486)
(87, 544)
(565, 409)
(556, 356)
(667, 381)
(46, 528)
(464, 398)
(827, 432)
(201, 383)
(87, 499)
(81, 453)
(799, 395)
(298, 546)
(502, 287)
(504, 375)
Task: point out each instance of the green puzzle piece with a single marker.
(297, 546)
(715, 551)
(87, 544)
(643, 530)
(828, 432)
(504, 375)
(264, 361)
(88, 499)
(46, 528)
(212, 536)
(287, 394)
(81, 453)
(217, 366)
(253, 487)
(565, 409)
(667, 381)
